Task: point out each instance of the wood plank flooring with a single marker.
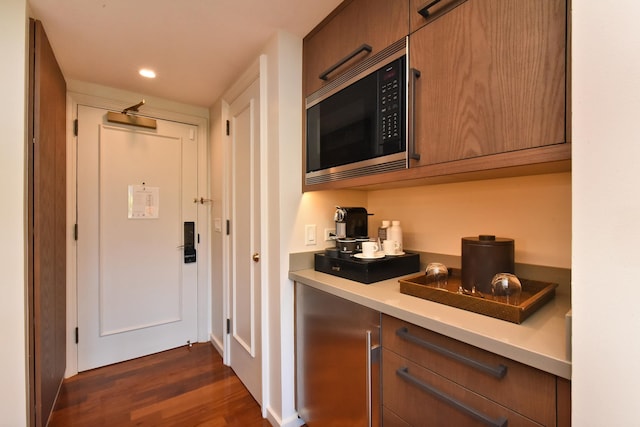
(180, 387)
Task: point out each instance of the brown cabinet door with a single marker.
(377, 23)
(492, 79)
(421, 12)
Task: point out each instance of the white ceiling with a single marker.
(197, 47)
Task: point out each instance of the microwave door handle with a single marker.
(363, 48)
(414, 74)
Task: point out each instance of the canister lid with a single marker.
(487, 239)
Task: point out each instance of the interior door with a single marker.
(245, 343)
(137, 287)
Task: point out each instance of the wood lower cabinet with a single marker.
(377, 23)
(405, 389)
(432, 380)
(390, 419)
(493, 79)
(564, 402)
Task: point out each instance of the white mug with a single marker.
(391, 247)
(369, 249)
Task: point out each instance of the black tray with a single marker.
(368, 271)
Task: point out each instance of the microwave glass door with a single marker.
(350, 125)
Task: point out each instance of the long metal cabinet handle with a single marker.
(500, 422)
(424, 10)
(414, 74)
(364, 47)
(496, 371)
(369, 382)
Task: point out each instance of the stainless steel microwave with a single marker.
(357, 125)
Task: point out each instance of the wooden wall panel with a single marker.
(47, 226)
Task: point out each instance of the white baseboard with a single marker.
(292, 421)
(217, 344)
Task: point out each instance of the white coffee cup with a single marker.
(391, 247)
(369, 249)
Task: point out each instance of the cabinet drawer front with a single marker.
(527, 390)
(378, 23)
(451, 405)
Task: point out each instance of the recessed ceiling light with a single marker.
(150, 74)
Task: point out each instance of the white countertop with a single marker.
(540, 341)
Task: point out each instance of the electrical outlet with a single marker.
(329, 234)
(310, 234)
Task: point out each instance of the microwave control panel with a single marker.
(390, 100)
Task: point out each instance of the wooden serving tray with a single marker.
(534, 295)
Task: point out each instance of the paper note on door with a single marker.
(143, 202)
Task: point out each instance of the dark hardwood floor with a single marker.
(180, 387)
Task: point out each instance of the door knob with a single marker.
(256, 257)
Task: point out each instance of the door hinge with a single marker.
(77, 335)
(228, 126)
(75, 231)
(228, 326)
(198, 238)
(228, 227)
(75, 127)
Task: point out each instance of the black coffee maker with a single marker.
(351, 222)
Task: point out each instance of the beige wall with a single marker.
(13, 84)
(535, 211)
(317, 208)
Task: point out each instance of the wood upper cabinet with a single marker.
(492, 99)
(377, 23)
(421, 12)
(493, 78)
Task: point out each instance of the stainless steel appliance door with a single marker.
(337, 360)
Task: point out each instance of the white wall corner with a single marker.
(14, 365)
(283, 93)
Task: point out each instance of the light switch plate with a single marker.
(310, 234)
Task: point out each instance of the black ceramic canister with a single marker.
(483, 257)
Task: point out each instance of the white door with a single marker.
(245, 341)
(136, 189)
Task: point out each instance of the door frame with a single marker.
(102, 97)
(257, 70)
